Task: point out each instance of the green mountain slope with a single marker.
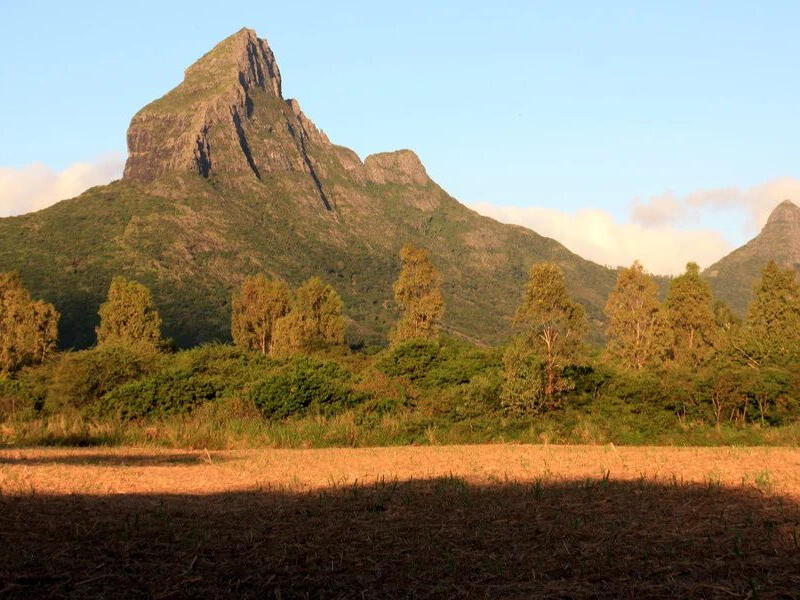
(225, 178)
(732, 278)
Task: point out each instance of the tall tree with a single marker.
(553, 325)
(257, 306)
(28, 328)
(315, 319)
(418, 292)
(128, 315)
(638, 335)
(772, 327)
(690, 315)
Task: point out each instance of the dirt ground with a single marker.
(132, 471)
(498, 521)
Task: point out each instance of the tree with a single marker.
(553, 325)
(638, 335)
(315, 319)
(772, 327)
(523, 385)
(418, 292)
(690, 315)
(28, 328)
(128, 315)
(257, 306)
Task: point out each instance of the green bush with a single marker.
(224, 360)
(233, 369)
(437, 364)
(168, 393)
(80, 379)
(412, 359)
(304, 384)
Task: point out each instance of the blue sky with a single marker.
(565, 108)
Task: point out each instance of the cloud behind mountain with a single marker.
(36, 186)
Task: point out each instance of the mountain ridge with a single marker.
(226, 178)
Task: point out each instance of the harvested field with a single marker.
(507, 521)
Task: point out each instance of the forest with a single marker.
(679, 370)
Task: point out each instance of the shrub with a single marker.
(479, 397)
(412, 359)
(25, 395)
(436, 364)
(234, 365)
(301, 385)
(168, 393)
(81, 378)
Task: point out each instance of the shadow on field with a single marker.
(113, 460)
(438, 538)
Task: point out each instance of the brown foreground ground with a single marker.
(506, 521)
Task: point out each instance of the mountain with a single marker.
(732, 278)
(225, 178)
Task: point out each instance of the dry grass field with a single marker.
(500, 521)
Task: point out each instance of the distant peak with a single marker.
(786, 212)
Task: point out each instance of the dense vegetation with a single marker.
(681, 370)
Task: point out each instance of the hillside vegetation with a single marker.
(679, 371)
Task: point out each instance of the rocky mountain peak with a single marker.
(243, 56)
(228, 120)
(787, 213)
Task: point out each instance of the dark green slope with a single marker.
(191, 252)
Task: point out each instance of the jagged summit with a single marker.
(243, 57)
(228, 120)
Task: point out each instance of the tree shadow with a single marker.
(114, 460)
(440, 538)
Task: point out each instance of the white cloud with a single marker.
(658, 210)
(595, 235)
(756, 202)
(36, 186)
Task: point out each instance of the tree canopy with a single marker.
(28, 328)
(691, 318)
(772, 328)
(257, 306)
(638, 335)
(553, 325)
(315, 319)
(418, 292)
(128, 315)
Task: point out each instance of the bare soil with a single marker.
(499, 521)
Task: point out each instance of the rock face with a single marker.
(226, 120)
(732, 278)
